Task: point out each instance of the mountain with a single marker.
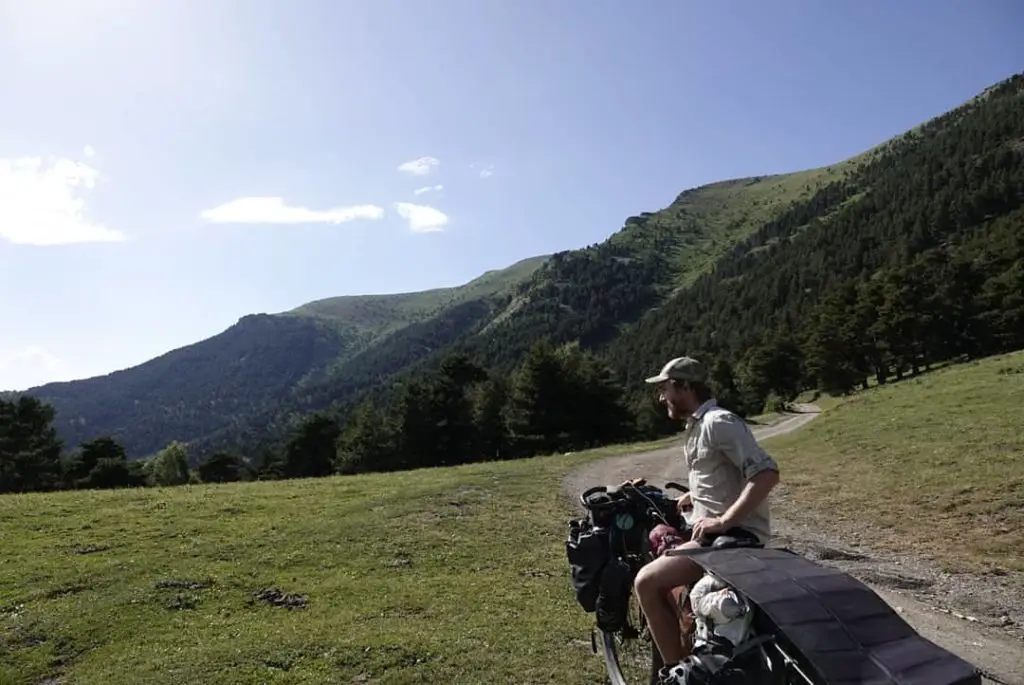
(785, 274)
(260, 365)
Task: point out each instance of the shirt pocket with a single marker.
(700, 463)
(702, 455)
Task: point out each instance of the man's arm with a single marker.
(754, 492)
(733, 437)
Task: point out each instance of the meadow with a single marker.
(932, 464)
(454, 575)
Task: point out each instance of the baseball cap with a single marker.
(681, 369)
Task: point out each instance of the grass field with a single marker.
(437, 576)
(454, 575)
(933, 464)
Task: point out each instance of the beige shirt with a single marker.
(721, 455)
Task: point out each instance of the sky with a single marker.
(168, 167)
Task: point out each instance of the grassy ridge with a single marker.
(935, 463)
(446, 575)
(377, 315)
(716, 216)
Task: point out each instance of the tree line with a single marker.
(558, 398)
(33, 459)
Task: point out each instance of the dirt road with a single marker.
(972, 617)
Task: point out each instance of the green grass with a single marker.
(458, 574)
(451, 575)
(933, 464)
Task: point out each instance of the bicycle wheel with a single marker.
(630, 655)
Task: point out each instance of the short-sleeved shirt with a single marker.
(721, 455)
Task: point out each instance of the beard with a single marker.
(674, 411)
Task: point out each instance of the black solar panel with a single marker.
(837, 625)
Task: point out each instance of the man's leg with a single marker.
(654, 584)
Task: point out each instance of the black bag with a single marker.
(603, 506)
(613, 595)
(587, 549)
(601, 579)
(716, 663)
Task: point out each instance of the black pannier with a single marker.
(588, 551)
(601, 580)
(617, 524)
(613, 595)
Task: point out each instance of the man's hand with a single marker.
(683, 503)
(709, 526)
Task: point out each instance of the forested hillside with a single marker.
(256, 377)
(910, 255)
(203, 387)
(914, 258)
(878, 267)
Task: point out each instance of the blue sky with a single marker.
(143, 143)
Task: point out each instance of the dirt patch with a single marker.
(894, 581)
(278, 598)
(182, 585)
(823, 553)
(90, 549)
(21, 637)
(65, 590)
(182, 601)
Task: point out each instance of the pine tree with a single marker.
(221, 467)
(537, 411)
(309, 453)
(488, 400)
(29, 447)
(368, 441)
(102, 464)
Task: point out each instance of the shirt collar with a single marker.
(704, 408)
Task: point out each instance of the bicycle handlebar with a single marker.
(590, 491)
(627, 485)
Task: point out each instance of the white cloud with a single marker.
(273, 210)
(31, 367)
(419, 167)
(421, 218)
(89, 151)
(427, 189)
(486, 170)
(41, 204)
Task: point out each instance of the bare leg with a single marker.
(654, 584)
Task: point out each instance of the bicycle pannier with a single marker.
(613, 595)
(588, 553)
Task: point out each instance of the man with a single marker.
(730, 477)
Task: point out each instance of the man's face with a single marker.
(675, 398)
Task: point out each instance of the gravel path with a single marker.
(981, 619)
